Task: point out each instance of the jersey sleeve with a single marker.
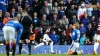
(19, 33)
(73, 35)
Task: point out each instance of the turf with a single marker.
(50, 55)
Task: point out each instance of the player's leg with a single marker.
(51, 43)
(23, 37)
(13, 47)
(96, 44)
(20, 46)
(7, 39)
(7, 47)
(51, 47)
(12, 37)
(70, 49)
(41, 44)
(29, 45)
(78, 51)
(73, 48)
(27, 34)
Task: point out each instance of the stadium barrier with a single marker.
(59, 49)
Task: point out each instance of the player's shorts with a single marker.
(74, 46)
(97, 37)
(9, 33)
(25, 35)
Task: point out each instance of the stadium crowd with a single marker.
(56, 15)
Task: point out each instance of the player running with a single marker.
(97, 37)
(73, 50)
(46, 40)
(10, 36)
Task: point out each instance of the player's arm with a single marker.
(31, 28)
(19, 33)
(73, 35)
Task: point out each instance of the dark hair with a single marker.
(16, 14)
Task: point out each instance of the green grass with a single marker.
(50, 55)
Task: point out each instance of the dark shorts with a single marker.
(25, 35)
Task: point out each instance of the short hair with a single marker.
(16, 14)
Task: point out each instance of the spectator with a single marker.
(39, 35)
(72, 11)
(50, 4)
(63, 38)
(95, 12)
(90, 32)
(1, 34)
(94, 22)
(54, 21)
(1, 16)
(85, 21)
(73, 20)
(68, 4)
(27, 7)
(7, 18)
(3, 5)
(1, 26)
(88, 42)
(68, 32)
(60, 26)
(46, 9)
(61, 3)
(44, 23)
(20, 11)
(61, 12)
(35, 20)
(54, 37)
(98, 11)
(13, 5)
(81, 11)
(36, 7)
(19, 3)
(82, 29)
(12, 14)
(89, 10)
(65, 21)
(83, 39)
(55, 7)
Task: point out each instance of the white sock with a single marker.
(51, 47)
(38, 45)
(96, 46)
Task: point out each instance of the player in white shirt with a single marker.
(46, 40)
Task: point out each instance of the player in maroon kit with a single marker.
(97, 37)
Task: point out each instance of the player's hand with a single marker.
(70, 34)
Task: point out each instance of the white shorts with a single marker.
(9, 33)
(74, 46)
(97, 37)
(46, 38)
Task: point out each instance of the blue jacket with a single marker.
(54, 38)
(85, 22)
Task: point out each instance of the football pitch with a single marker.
(50, 55)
